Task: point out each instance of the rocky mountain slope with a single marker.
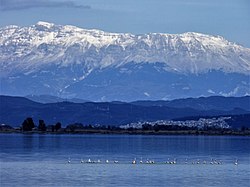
(69, 62)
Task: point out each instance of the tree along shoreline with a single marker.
(29, 127)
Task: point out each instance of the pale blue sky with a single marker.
(228, 18)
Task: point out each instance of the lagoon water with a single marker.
(42, 160)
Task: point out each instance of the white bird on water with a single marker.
(236, 162)
(141, 162)
(69, 160)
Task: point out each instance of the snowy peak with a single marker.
(23, 49)
(44, 25)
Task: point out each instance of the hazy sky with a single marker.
(228, 18)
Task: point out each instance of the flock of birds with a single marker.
(134, 161)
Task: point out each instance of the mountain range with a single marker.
(13, 111)
(201, 103)
(72, 62)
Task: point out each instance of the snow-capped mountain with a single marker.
(69, 61)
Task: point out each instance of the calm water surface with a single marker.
(42, 160)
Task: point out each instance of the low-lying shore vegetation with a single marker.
(244, 132)
(28, 127)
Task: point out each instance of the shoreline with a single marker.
(135, 132)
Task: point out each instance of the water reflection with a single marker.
(27, 142)
(125, 146)
(42, 159)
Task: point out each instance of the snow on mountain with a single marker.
(29, 48)
(62, 59)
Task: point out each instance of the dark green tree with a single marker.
(74, 127)
(28, 124)
(42, 126)
(58, 126)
